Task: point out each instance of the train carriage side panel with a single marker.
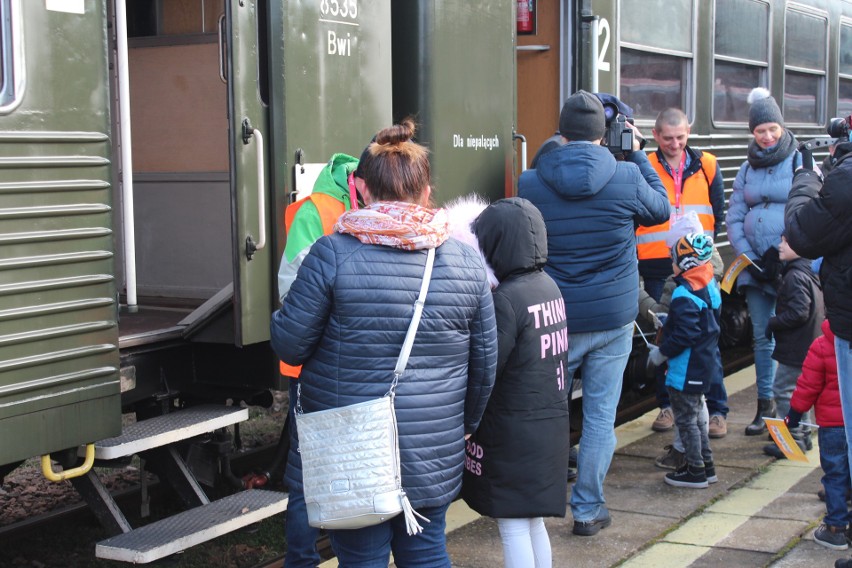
(465, 109)
(59, 380)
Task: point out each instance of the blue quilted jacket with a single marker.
(591, 204)
(755, 216)
(345, 319)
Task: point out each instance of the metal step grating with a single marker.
(168, 428)
(192, 527)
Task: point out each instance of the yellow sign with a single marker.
(739, 264)
(784, 440)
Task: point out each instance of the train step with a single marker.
(192, 527)
(168, 428)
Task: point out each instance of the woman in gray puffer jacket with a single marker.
(345, 319)
(755, 222)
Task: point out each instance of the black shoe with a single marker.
(572, 474)
(774, 451)
(593, 527)
(843, 563)
(765, 407)
(688, 476)
(572, 457)
(710, 472)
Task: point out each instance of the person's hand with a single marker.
(807, 158)
(792, 419)
(638, 138)
(771, 264)
(655, 357)
(755, 273)
(467, 436)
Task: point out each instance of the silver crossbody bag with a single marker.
(350, 455)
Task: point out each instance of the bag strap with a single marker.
(408, 343)
(402, 361)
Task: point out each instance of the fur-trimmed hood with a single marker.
(462, 212)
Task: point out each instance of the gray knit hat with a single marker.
(763, 109)
(582, 117)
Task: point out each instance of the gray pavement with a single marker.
(761, 513)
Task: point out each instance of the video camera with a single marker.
(840, 128)
(618, 137)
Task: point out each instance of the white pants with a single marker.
(525, 543)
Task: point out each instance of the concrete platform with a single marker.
(761, 513)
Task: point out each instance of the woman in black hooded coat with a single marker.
(516, 463)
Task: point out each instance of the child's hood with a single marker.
(512, 236)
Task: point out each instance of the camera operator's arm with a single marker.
(653, 205)
(817, 215)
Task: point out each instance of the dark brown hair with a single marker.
(395, 168)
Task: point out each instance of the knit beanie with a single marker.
(763, 109)
(691, 250)
(582, 117)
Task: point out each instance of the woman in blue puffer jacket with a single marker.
(345, 319)
(755, 222)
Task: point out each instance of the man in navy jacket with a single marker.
(591, 204)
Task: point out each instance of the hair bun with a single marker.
(396, 134)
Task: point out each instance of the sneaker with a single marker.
(687, 476)
(672, 459)
(843, 563)
(593, 527)
(831, 537)
(710, 472)
(664, 421)
(572, 474)
(718, 427)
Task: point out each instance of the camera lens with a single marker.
(610, 111)
(838, 128)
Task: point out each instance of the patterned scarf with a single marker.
(396, 224)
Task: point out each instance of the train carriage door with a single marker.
(59, 377)
(319, 85)
(248, 137)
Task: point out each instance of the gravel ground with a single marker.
(25, 494)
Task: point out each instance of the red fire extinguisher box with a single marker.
(526, 17)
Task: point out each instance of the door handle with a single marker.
(220, 27)
(248, 133)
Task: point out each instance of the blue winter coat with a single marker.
(690, 337)
(591, 205)
(755, 216)
(345, 319)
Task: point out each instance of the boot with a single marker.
(765, 407)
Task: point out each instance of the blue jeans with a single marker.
(370, 547)
(833, 457)
(601, 357)
(761, 307)
(301, 537)
(844, 381)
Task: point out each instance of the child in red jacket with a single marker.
(817, 387)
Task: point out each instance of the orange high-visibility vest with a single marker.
(329, 210)
(695, 196)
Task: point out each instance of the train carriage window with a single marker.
(8, 82)
(740, 60)
(148, 18)
(805, 51)
(656, 68)
(844, 95)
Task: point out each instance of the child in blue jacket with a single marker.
(690, 344)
